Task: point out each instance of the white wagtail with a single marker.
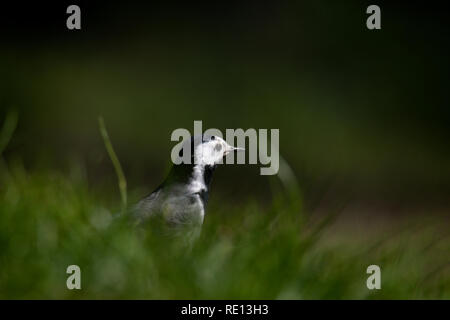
(179, 203)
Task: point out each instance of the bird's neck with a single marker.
(197, 177)
(202, 176)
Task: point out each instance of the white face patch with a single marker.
(211, 152)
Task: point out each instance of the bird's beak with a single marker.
(230, 149)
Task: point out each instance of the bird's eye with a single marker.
(218, 147)
(213, 138)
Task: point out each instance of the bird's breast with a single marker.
(184, 210)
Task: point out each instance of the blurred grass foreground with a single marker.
(49, 220)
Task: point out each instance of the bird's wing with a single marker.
(148, 206)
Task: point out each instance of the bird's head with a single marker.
(212, 150)
(198, 158)
(205, 151)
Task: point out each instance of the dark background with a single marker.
(363, 115)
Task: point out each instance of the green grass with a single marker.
(49, 221)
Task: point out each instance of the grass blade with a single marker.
(8, 129)
(116, 163)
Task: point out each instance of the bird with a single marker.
(176, 208)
